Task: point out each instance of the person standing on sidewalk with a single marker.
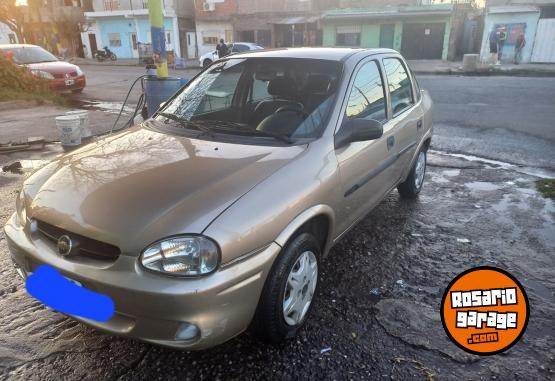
(501, 42)
(519, 45)
(493, 45)
(222, 49)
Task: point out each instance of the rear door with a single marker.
(406, 115)
(365, 167)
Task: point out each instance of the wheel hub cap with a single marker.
(420, 170)
(300, 287)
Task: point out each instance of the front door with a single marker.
(134, 45)
(191, 45)
(365, 167)
(387, 34)
(92, 43)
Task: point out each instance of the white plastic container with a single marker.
(84, 117)
(69, 127)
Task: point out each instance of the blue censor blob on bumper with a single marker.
(50, 287)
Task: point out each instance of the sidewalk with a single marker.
(455, 68)
(193, 63)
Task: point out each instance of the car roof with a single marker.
(332, 54)
(6, 46)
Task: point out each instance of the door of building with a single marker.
(134, 45)
(423, 40)
(387, 34)
(92, 43)
(544, 42)
(191, 45)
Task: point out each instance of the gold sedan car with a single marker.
(214, 215)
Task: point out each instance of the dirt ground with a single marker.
(377, 312)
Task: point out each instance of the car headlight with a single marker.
(182, 256)
(42, 74)
(79, 71)
(20, 208)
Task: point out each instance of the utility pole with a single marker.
(156, 18)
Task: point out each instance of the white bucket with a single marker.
(70, 129)
(84, 118)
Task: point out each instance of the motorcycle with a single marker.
(103, 55)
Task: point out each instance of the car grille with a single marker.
(58, 75)
(88, 247)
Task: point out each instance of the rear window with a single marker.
(400, 87)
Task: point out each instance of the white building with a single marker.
(7, 36)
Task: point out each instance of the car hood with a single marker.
(56, 67)
(137, 187)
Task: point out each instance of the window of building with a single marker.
(367, 99)
(210, 40)
(228, 36)
(111, 5)
(400, 88)
(168, 38)
(114, 39)
(347, 35)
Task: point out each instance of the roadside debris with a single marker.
(463, 240)
(32, 144)
(14, 167)
(324, 350)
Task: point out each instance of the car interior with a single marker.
(281, 96)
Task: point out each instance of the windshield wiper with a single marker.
(187, 123)
(243, 129)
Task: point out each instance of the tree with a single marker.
(12, 15)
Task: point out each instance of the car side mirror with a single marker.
(358, 130)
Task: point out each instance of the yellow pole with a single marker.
(156, 18)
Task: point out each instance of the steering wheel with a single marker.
(294, 109)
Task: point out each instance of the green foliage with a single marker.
(546, 187)
(18, 83)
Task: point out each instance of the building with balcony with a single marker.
(214, 21)
(123, 25)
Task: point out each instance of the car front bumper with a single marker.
(154, 307)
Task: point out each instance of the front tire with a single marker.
(289, 290)
(207, 62)
(412, 186)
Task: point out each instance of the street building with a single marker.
(433, 31)
(535, 19)
(123, 26)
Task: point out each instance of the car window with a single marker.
(30, 54)
(367, 98)
(240, 48)
(400, 88)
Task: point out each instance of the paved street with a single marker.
(377, 308)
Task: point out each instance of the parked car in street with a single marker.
(237, 47)
(62, 76)
(215, 214)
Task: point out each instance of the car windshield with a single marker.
(281, 99)
(30, 54)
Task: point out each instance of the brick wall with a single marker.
(223, 9)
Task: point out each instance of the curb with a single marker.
(489, 73)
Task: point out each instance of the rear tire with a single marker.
(289, 291)
(412, 186)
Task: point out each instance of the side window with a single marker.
(400, 88)
(367, 99)
(240, 48)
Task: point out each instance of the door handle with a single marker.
(390, 142)
(419, 124)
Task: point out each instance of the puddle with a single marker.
(452, 172)
(536, 172)
(482, 186)
(109, 107)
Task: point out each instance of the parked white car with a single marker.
(237, 47)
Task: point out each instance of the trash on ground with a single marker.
(14, 167)
(463, 240)
(324, 350)
(375, 291)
